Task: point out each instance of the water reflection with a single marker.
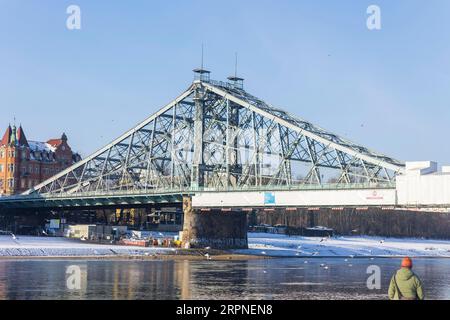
(253, 279)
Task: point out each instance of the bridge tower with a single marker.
(197, 177)
(212, 228)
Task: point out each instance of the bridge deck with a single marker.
(327, 195)
(144, 197)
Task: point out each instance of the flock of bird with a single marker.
(316, 253)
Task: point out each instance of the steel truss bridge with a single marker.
(215, 136)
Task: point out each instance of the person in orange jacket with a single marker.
(405, 285)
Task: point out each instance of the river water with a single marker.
(284, 278)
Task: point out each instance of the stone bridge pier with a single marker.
(215, 229)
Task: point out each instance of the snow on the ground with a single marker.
(259, 244)
(56, 246)
(282, 245)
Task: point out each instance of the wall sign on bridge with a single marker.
(269, 198)
(375, 195)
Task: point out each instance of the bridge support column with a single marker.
(218, 230)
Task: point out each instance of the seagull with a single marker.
(322, 265)
(13, 236)
(350, 265)
(45, 233)
(306, 261)
(207, 256)
(160, 234)
(297, 254)
(263, 252)
(326, 267)
(207, 248)
(352, 256)
(299, 247)
(345, 260)
(382, 241)
(264, 271)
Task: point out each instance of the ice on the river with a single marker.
(351, 246)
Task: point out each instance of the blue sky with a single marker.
(388, 90)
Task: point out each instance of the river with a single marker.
(283, 278)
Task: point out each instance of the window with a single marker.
(23, 183)
(36, 169)
(11, 183)
(1, 168)
(11, 167)
(12, 153)
(24, 154)
(2, 154)
(1, 183)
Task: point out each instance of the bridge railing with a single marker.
(192, 190)
(107, 193)
(328, 186)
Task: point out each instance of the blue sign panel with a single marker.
(269, 198)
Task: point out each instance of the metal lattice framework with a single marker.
(216, 135)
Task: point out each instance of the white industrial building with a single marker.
(423, 185)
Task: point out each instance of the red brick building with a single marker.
(25, 163)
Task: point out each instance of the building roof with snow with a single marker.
(39, 151)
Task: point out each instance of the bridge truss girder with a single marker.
(215, 136)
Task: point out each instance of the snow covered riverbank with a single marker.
(25, 246)
(263, 244)
(281, 245)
